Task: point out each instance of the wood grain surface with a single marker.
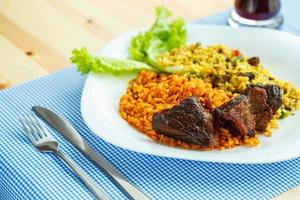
(37, 36)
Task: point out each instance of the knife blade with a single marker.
(71, 134)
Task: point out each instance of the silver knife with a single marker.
(69, 132)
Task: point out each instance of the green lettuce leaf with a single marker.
(161, 37)
(105, 65)
(146, 47)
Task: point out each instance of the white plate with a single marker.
(279, 51)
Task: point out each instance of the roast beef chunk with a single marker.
(192, 123)
(236, 116)
(274, 99)
(264, 101)
(257, 99)
(189, 122)
(262, 120)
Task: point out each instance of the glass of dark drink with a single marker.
(256, 13)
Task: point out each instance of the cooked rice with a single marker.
(214, 73)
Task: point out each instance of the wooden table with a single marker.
(37, 36)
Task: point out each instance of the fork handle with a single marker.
(89, 183)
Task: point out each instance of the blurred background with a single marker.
(37, 36)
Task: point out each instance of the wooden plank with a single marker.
(74, 24)
(138, 11)
(41, 53)
(4, 83)
(48, 25)
(292, 194)
(16, 67)
(100, 14)
(118, 16)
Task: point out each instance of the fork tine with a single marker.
(40, 127)
(26, 129)
(35, 123)
(32, 127)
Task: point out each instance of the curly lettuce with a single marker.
(105, 65)
(145, 49)
(161, 37)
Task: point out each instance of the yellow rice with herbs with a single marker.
(216, 73)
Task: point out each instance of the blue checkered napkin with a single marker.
(26, 173)
(29, 174)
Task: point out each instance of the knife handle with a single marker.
(134, 192)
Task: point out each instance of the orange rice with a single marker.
(152, 92)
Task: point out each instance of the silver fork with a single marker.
(41, 138)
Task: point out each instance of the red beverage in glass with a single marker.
(257, 9)
(256, 13)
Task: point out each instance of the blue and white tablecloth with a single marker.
(26, 173)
